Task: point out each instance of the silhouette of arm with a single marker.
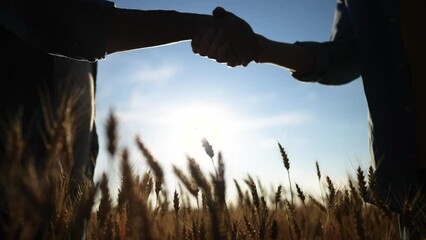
(334, 62)
(337, 61)
(230, 40)
(89, 30)
(74, 29)
(133, 29)
(328, 63)
(243, 46)
(292, 57)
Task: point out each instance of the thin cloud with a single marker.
(261, 98)
(283, 119)
(164, 117)
(155, 73)
(147, 118)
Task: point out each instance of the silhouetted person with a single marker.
(49, 52)
(384, 43)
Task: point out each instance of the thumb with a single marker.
(219, 12)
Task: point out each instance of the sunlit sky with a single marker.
(171, 98)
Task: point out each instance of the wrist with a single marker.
(262, 44)
(200, 23)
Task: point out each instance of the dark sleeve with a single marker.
(74, 29)
(336, 61)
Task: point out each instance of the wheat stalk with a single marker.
(155, 166)
(286, 162)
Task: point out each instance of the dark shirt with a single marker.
(414, 35)
(74, 29)
(48, 54)
(48, 48)
(366, 41)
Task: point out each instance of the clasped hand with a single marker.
(229, 40)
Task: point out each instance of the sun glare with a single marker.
(196, 122)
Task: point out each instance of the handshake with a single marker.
(228, 40)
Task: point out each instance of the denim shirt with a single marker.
(366, 41)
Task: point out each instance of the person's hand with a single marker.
(231, 40)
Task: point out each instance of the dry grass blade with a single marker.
(234, 231)
(33, 214)
(198, 175)
(190, 185)
(209, 151)
(357, 200)
(286, 162)
(371, 178)
(301, 195)
(331, 192)
(240, 193)
(253, 189)
(317, 204)
(14, 145)
(359, 225)
(250, 228)
(294, 224)
(273, 232)
(203, 184)
(207, 147)
(277, 198)
(111, 132)
(83, 212)
(362, 185)
(176, 206)
(155, 166)
(219, 183)
(127, 181)
(285, 158)
(105, 205)
(318, 171)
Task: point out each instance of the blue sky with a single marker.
(172, 97)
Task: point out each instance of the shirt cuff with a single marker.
(89, 30)
(319, 53)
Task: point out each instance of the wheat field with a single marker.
(45, 205)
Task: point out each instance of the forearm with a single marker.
(133, 29)
(289, 56)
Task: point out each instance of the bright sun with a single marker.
(195, 122)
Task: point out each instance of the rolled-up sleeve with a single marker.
(336, 61)
(74, 29)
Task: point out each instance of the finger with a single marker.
(205, 41)
(244, 52)
(246, 58)
(233, 60)
(245, 63)
(226, 55)
(216, 44)
(223, 53)
(239, 52)
(231, 64)
(195, 43)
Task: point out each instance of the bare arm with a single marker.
(132, 29)
(334, 62)
(241, 46)
(289, 56)
(329, 63)
(88, 30)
